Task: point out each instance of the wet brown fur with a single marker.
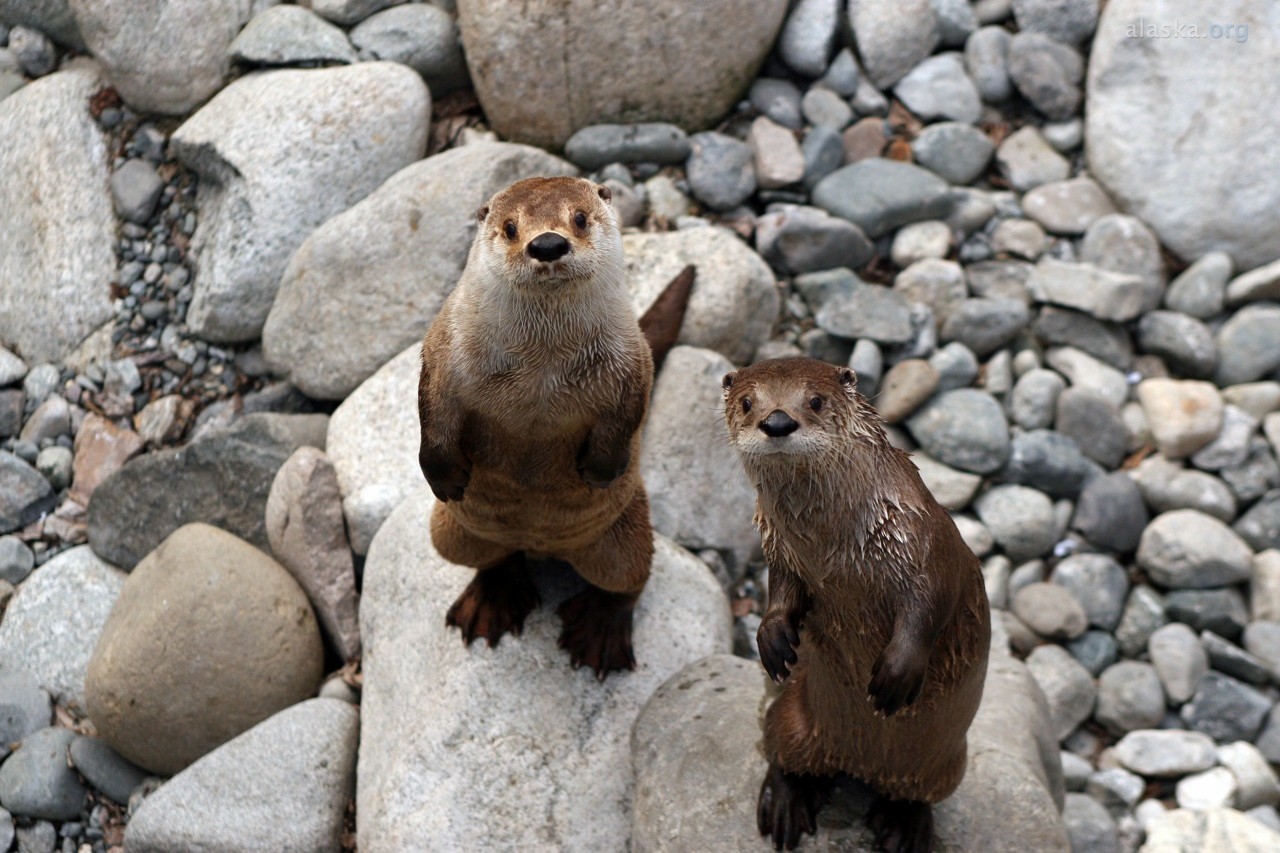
(533, 389)
(873, 572)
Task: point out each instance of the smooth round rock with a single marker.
(209, 637)
(1129, 697)
(965, 429)
(1050, 610)
(37, 781)
(1165, 753)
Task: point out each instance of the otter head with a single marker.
(543, 233)
(789, 406)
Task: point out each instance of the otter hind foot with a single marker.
(495, 603)
(901, 826)
(597, 630)
(788, 806)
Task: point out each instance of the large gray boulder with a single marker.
(698, 492)
(52, 624)
(277, 153)
(56, 258)
(164, 56)
(367, 283)
(1185, 95)
(734, 302)
(545, 68)
(512, 747)
(696, 749)
(282, 785)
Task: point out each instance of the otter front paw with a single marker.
(598, 467)
(777, 639)
(447, 476)
(897, 677)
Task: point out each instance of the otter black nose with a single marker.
(778, 424)
(548, 247)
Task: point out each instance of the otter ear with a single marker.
(848, 378)
(604, 192)
(727, 382)
(482, 214)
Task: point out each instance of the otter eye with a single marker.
(580, 219)
(510, 230)
(746, 405)
(816, 404)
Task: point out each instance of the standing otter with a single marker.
(535, 381)
(878, 621)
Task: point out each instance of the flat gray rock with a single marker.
(893, 36)
(867, 311)
(696, 750)
(1188, 549)
(939, 88)
(420, 731)
(24, 707)
(601, 144)
(135, 508)
(420, 35)
(699, 495)
(37, 781)
(290, 35)
(105, 770)
(282, 785)
(1181, 88)
(719, 170)
(369, 281)
(965, 429)
(880, 195)
(56, 280)
(52, 624)
(279, 152)
(957, 152)
(25, 495)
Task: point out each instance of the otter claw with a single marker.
(896, 680)
(777, 640)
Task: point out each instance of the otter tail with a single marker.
(661, 323)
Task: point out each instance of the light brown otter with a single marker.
(535, 382)
(877, 623)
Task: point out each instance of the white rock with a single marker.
(1163, 753)
(1213, 789)
(56, 258)
(952, 488)
(278, 152)
(368, 282)
(517, 749)
(919, 241)
(282, 785)
(373, 444)
(1184, 89)
(52, 624)
(1184, 415)
(1224, 830)
(1255, 779)
(734, 302)
(699, 495)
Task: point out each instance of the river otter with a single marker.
(877, 625)
(535, 382)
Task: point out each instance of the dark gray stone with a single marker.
(880, 195)
(1185, 343)
(1098, 582)
(1095, 650)
(602, 144)
(956, 364)
(1247, 344)
(1201, 288)
(24, 494)
(985, 325)
(422, 36)
(16, 559)
(1089, 826)
(36, 780)
(1221, 611)
(1143, 614)
(867, 311)
(807, 239)
(1225, 709)
(1258, 473)
(1107, 342)
(965, 429)
(1260, 526)
(1047, 73)
(1093, 423)
(11, 406)
(1130, 697)
(823, 150)
(39, 837)
(719, 170)
(1048, 461)
(1067, 21)
(779, 100)
(106, 771)
(1231, 445)
(1226, 657)
(24, 708)
(1034, 398)
(135, 189)
(138, 506)
(1110, 513)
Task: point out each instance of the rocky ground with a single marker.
(1042, 233)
